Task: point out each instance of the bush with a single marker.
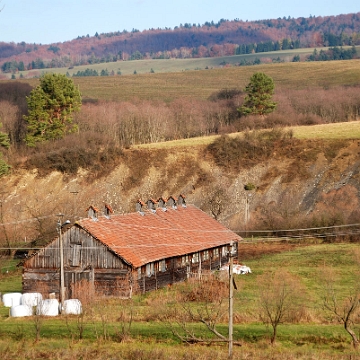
(68, 159)
(225, 94)
(254, 147)
(249, 186)
(4, 167)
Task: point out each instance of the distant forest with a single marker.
(223, 38)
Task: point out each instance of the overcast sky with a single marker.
(50, 21)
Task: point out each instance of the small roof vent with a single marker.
(172, 202)
(162, 203)
(151, 205)
(139, 207)
(182, 201)
(92, 213)
(108, 211)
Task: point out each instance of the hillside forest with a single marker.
(106, 159)
(211, 39)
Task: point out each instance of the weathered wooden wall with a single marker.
(90, 266)
(175, 272)
(80, 251)
(85, 260)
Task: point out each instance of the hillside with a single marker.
(296, 183)
(299, 176)
(224, 38)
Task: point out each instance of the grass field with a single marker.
(180, 65)
(346, 130)
(200, 84)
(313, 338)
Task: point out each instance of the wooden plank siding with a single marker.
(176, 270)
(90, 262)
(85, 259)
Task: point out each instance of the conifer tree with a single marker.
(4, 142)
(258, 100)
(50, 108)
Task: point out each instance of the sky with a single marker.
(52, 21)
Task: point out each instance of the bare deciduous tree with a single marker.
(198, 301)
(280, 296)
(345, 308)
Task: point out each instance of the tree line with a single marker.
(189, 41)
(333, 53)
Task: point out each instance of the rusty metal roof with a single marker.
(140, 239)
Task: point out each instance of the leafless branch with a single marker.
(346, 310)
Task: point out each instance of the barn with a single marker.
(161, 243)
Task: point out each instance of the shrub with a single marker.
(4, 167)
(225, 94)
(254, 147)
(68, 158)
(249, 186)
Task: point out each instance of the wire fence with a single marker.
(349, 231)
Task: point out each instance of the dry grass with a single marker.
(60, 349)
(201, 84)
(346, 130)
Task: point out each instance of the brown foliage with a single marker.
(184, 41)
(105, 127)
(280, 299)
(206, 290)
(12, 107)
(237, 153)
(337, 207)
(72, 153)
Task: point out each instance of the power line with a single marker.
(301, 229)
(266, 238)
(137, 246)
(27, 220)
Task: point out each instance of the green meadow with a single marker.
(315, 336)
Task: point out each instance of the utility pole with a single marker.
(231, 299)
(62, 272)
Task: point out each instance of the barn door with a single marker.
(80, 284)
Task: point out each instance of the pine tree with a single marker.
(51, 105)
(4, 142)
(258, 100)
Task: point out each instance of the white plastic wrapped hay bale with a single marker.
(72, 307)
(11, 299)
(48, 307)
(21, 311)
(31, 299)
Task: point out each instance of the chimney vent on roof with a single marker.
(92, 213)
(172, 202)
(151, 205)
(139, 208)
(108, 211)
(182, 201)
(162, 203)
